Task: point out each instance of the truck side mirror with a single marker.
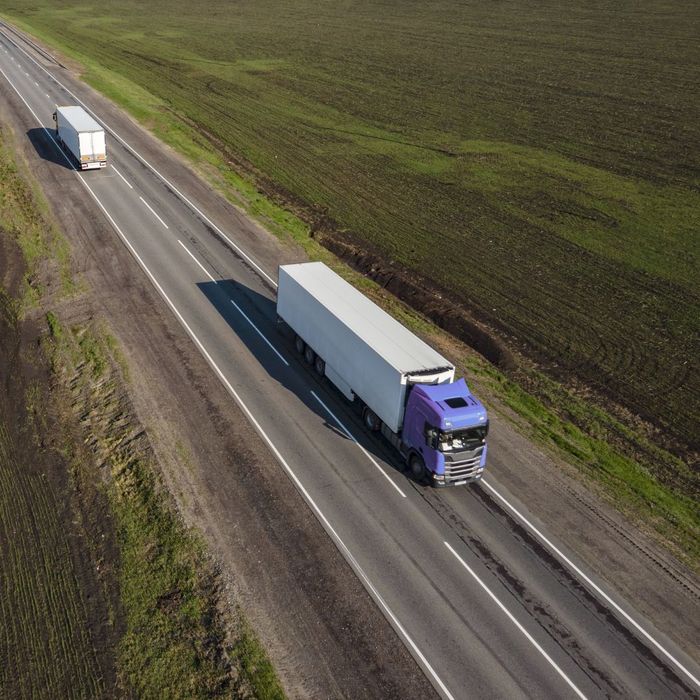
(54, 116)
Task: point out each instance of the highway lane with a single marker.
(392, 532)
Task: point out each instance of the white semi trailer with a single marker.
(82, 136)
(402, 386)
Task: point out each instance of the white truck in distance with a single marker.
(402, 387)
(82, 136)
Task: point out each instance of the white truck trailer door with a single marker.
(90, 156)
(99, 148)
(86, 152)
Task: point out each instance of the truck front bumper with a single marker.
(440, 480)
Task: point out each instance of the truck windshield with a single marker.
(464, 439)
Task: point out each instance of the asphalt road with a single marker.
(487, 606)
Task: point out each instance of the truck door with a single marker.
(414, 423)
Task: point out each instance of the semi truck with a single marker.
(82, 136)
(402, 388)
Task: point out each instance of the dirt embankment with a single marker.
(105, 592)
(422, 295)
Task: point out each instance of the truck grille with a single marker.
(462, 469)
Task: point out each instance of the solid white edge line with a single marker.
(259, 332)
(530, 638)
(354, 439)
(50, 135)
(114, 167)
(148, 165)
(593, 585)
(153, 211)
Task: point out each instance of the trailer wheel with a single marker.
(299, 344)
(309, 355)
(371, 420)
(320, 366)
(417, 467)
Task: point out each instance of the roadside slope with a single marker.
(104, 592)
(59, 614)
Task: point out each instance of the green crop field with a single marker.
(540, 159)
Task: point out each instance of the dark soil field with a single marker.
(57, 623)
(538, 161)
(60, 617)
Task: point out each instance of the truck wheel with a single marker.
(371, 420)
(320, 366)
(417, 467)
(299, 344)
(309, 355)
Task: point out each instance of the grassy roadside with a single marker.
(25, 216)
(175, 644)
(625, 466)
(76, 473)
(623, 458)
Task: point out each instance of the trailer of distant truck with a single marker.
(402, 387)
(81, 136)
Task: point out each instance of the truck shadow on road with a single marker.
(232, 300)
(47, 149)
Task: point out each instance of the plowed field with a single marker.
(50, 615)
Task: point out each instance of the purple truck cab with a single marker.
(402, 388)
(444, 433)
